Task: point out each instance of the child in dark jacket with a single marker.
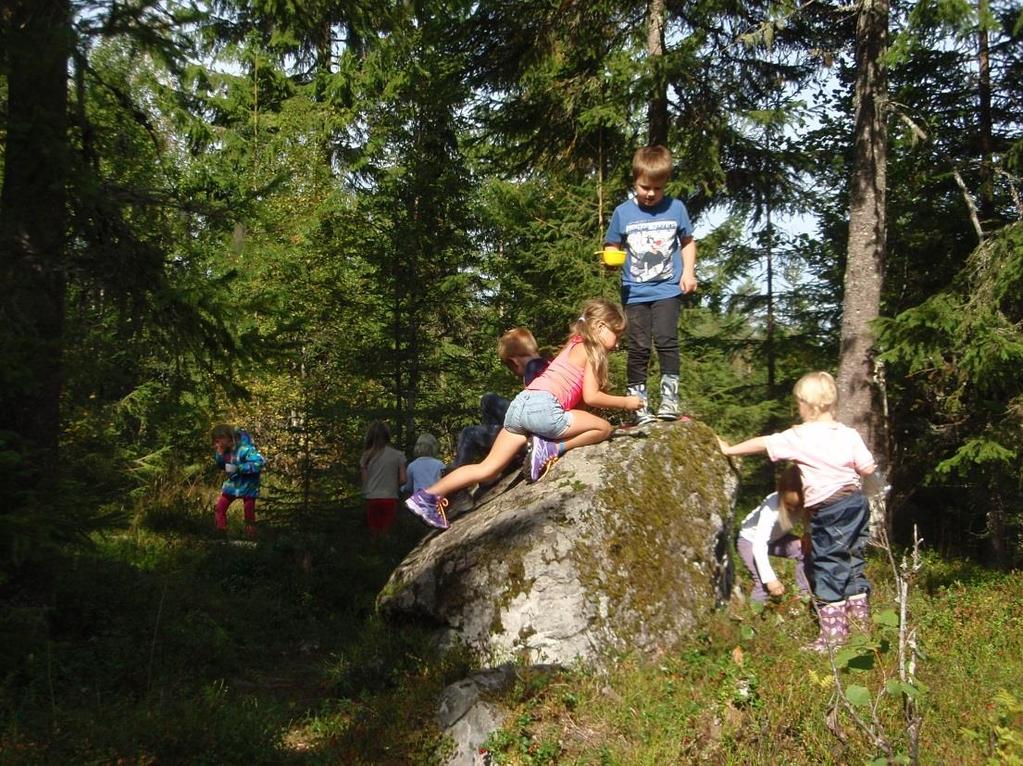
(235, 453)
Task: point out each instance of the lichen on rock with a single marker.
(619, 548)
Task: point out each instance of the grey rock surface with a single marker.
(468, 717)
(621, 547)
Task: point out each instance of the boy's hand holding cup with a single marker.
(612, 257)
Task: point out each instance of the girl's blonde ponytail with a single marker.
(598, 311)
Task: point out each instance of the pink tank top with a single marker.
(562, 378)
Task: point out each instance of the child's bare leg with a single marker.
(506, 446)
(586, 428)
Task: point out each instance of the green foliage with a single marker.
(187, 649)
(679, 708)
(1001, 739)
(302, 217)
(960, 350)
(180, 648)
(275, 230)
(858, 696)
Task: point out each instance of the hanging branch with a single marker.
(971, 206)
(1014, 182)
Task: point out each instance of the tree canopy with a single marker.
(306, 216)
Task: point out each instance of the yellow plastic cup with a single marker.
(612, 257)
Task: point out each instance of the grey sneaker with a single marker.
(669, 398)
(643, 415)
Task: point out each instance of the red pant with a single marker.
(220, 511)
(380, 513)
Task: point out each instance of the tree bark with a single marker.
(657, 112)
(859, 394)
(987, 184)
(998, 546)
(769, 347)
(32, 227)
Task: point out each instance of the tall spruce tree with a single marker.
(860, 396)
(37, 40)
(937, 179)
(90, 224)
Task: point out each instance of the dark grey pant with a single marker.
(658, 320)
(474, 442)
(839, 533)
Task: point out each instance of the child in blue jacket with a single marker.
(238, 456)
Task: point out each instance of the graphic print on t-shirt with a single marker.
(651, 244)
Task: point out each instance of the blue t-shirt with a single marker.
(651, 238)
(422, 472)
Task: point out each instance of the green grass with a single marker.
(743, 691)
(175, 647)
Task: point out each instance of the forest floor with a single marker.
(177, 647)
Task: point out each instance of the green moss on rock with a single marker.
(631, 565)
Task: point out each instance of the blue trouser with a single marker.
(494, 408)
(474, 442)
(839, 534)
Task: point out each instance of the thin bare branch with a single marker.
(970, 204)
(1014, 183)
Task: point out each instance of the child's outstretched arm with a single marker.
(749, 447)
(594, 397)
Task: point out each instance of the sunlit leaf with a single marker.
(888, 617)
(857, 696)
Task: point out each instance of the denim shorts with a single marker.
(537, 412)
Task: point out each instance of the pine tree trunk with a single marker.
(32, 226)
(987, 186)
(769, 348)
(997, 537)
(859, 397)
(657, 113)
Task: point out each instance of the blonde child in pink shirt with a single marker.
(832, 458)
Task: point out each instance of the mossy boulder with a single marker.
(621, 547)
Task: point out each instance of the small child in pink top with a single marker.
(832, 458)
(545, 415)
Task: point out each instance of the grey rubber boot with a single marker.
(669, 398)
(643, 414)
